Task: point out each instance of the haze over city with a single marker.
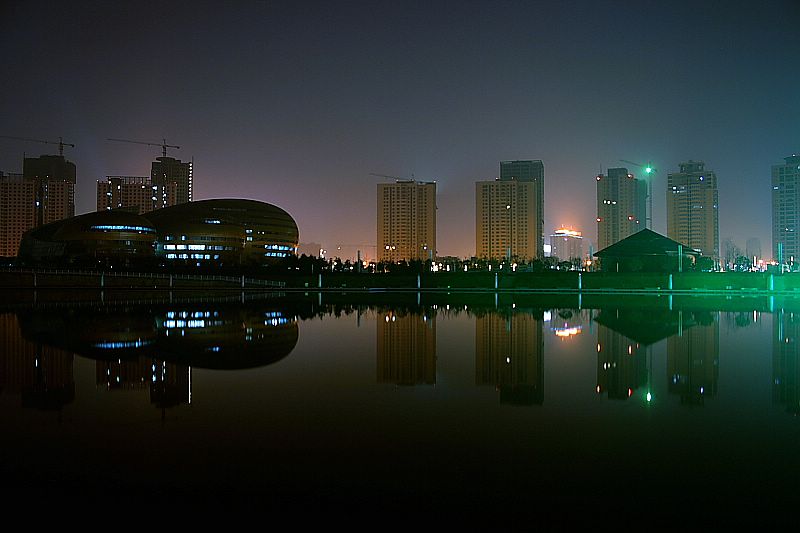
(297, 103)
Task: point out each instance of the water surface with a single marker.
(488, 403)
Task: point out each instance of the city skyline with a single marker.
(281, 102)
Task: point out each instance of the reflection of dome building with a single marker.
(224, 338)
(228, 232)
(106, 237)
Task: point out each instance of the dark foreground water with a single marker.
(547, 408)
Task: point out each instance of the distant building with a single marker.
(692, 208)
(134, 193)
(786, 210)
(17, 211)
(406, 221)
(509, 212)
(621, 206)
(311, 249)
(171, 181)
(753, 248)
(54, 182)
(566, 244)
(43, 193)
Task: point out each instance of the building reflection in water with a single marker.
(168, 384)
(621, 364)
(406, 348)
(566, 324)
(624, 340)
(509, 354)
(786, 360)
(137, 349)
(693, 357)
(41, 375)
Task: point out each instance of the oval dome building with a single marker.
(224, 232)
(115, 237)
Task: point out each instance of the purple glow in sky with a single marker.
(297, 103)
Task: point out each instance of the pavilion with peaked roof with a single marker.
(646, 251)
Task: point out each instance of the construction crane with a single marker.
(61, 144)
(392, 177)
(163, 144)
(649, 170)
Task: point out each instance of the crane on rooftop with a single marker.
(392, 177)
(163, 144)
(61, 144)
(649, 170)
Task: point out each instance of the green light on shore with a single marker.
(649, 397)
(648, 170)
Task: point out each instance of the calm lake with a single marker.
(624, 405)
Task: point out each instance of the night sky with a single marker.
(297, 103)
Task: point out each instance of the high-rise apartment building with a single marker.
(17, 211)
(43, 193)
(509, 212)
(54, 184)
(692, 208)
(621, 206)
(172, 179)
(170, 183)
(136, 193)
(406, 221)
(786, 210)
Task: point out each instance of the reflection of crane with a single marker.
(163, 144)
(61, 144)
(649, 170)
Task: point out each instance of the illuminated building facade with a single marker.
(100, 238)
(509, 355)
(566, 244)
(214, 233)
(133, 193)
(509, 212)
(621, 206)
(406, 221)
(406, 349)
(225, 232)
(786, 210)
(692, 208)
(171, 181)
